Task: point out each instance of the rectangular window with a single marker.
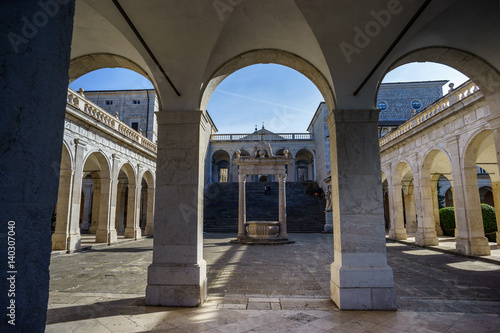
(136, 101)
(109, 102)
(135, 125)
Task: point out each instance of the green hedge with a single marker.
(489, 218)
(447, 218)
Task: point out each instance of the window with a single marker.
(136, 101)
(135, 125)
(416, 104)
(382, 106)
(109, 102)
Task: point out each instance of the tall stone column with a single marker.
(106, 232)
(468, 214)
(119, 204)
(361, 278)
(74, 237)
(426, 227)
(177, 276)
(133, 230)
(435, 205)
(242, 206)
(87, 204)
(282, 205)
(61, 235)
(397, 230)
(31, 140)
(411, 217)
(96, 204)
(148, 231)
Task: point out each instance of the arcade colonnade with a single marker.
(191, 47)
(106, 178)
(450, 138)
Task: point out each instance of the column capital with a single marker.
(242, 178)
(179, 117)
(353, 116)
(282, 177)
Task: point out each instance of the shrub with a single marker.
(447, 218)
(489, 218)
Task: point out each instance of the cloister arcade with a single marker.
(106, 182)
(451, 140)
(186, 48)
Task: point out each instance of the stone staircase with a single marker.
(305, 212)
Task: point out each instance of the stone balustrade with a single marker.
(266, 137)
(465, 90)
(86, 106)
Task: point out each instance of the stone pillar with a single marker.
(148, 231)
(119, 204)
(328, 222)
(61, 236)
(468, 214)
(361, 278)
(87, 204)
(426, 225)
(177, 276)
(133, 230)
(411, 218)
(435, 205)
(106, 232)
(397, 230)
(33, 93)
(96, 204)
(76, 196)
(282, 205)
(292, 173)
(242, 213)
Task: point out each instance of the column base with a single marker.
(426, 237)
(439, 230)
(148, 231)
(329, 222)
(363, 288)
(134, 233)
(71, 243)
(498, 237)
(176, 284)
(397, 234)
(106, 236)
(411, 227)
(477, 246)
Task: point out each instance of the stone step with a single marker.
(305, 212)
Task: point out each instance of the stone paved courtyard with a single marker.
(271, 289)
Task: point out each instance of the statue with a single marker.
(238, 154)
(285, 153)
(328, 197)
(262, 150)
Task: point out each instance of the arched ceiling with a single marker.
(192, 39)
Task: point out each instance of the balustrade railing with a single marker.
(86, 106)
(467, 89)
(265, 137)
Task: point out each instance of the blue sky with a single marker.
(281, 97)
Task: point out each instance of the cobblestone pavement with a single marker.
(271, 289)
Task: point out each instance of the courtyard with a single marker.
(270, 289)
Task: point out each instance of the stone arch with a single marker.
(91, 62)
(480, 151)
(148, 176)
(67, 160)
(220, 164)
(99, 162)
(474, 67)
(265, 56)
(437, 159)
(304, 164)
(128, 170)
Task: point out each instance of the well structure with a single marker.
(262, 162)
